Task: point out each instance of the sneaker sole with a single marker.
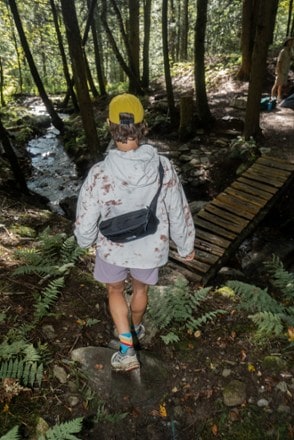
(132, 366)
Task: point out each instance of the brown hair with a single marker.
(123, 132)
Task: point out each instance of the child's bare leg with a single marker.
(139, 301)
(118, 307)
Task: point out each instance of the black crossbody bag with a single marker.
(135, 224)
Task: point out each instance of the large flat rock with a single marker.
(144, 386)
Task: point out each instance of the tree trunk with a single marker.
(63, 57)
(56, 121)
(265, 27)
(290, 14)
(95, 28)
(249, 22)
(199, 50)
(134, 41)
(2, 100)
(125, 67)
(80, 77)
(17, 171)
(146, 43)
(167, 74)
(184, 32)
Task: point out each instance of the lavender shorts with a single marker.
(110, 273)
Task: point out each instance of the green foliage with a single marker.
(270, 315)
(246, 151)
(64, 431)
(11, 435)
(47, 298)
(281, 279)
(174, 309)
(103, 415)
(54, 255)
(27, 373)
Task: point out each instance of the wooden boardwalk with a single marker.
(223, 223)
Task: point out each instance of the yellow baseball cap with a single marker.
(125, 103)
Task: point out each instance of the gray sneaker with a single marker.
(125, 361)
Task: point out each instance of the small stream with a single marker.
(54, 173)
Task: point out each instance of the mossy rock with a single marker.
(274, 364)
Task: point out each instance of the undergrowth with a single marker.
(175, 309)
(22, 363)
(271, 312)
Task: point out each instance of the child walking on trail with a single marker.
(282, 69)
(126, 180)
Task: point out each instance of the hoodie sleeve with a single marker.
(88, 210)
(182, 229)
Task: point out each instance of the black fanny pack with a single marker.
(135, 224)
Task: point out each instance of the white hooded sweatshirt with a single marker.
(124, 182)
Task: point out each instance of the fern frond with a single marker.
(70, 251)
(268, 324)
(282, 279)
(254, 298)
(170, 338)
(11, 435)
(199, 296)
(195, 323)
(48, 297)
(65, 431)
(26, 372)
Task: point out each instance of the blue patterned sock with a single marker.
(126, 341)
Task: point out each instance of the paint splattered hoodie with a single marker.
(124, 182)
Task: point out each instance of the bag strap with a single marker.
(153, 203)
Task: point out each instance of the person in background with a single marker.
(282, 69)
(126, 180)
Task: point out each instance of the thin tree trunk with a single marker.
(98, 56)
(2, 100)
(265, 28)
(146, 44)
(63, 57)
(129, 71)
(201, 96)
(80, 76)
(56, 120)
(167, 74)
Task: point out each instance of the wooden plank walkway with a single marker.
(223, 223)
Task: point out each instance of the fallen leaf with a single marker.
(162, 410)
(243, 355)
(251, 368)
(214, 429)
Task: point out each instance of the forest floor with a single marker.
(190, 401)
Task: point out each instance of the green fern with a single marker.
(254, 298)
(54, 255)
(170, 338)
(281, 279)
(11, 435)
(268, 324)
(26, 372)
(270, 315)
(64, 431)
(175, 310)
(47, 298)
(9, 350)
(194, 324)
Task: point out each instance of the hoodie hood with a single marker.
(138, 168)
